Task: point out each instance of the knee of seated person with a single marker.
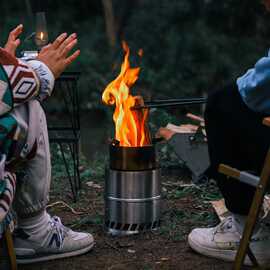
(212, 106)
(214, 98)
(217, 99)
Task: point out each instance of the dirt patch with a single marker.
(184, 208)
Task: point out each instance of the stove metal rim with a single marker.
(134, 200)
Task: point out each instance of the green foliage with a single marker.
(185, 51)
(96, 167)
(58, 166)
(189, 46)
(96, 220)
(205, 192)
(189, 206)
(160, 118)
(90, 169)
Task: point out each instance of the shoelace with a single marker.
(225, 225)
(60, 229)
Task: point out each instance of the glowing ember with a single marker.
(130, 126)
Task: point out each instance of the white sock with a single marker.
(36, 224)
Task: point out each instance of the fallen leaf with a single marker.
(81, 168)
(164, 189)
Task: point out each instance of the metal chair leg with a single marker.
(77, 157)
(72, 185)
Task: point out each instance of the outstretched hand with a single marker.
(13, 40)
(56, 55)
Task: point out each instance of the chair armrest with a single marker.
(242, 176)
(229, 171)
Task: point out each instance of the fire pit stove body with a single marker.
(132, 190)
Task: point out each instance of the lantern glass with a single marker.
(41, 37)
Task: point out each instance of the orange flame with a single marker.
(130, 126)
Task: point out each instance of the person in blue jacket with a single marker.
(237, 137)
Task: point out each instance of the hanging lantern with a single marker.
(41, 36)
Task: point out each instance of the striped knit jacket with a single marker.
(20, 82)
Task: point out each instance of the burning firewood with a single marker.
(130, 126)
(141, 117)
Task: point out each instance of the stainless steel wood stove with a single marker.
(132, 190)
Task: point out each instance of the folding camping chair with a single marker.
(261, 183)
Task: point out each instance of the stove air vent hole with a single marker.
(132, 227)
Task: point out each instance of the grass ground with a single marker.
(185, 207)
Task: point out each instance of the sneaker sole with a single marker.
(49, 257)
(225, 255)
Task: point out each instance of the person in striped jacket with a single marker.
(24, 150)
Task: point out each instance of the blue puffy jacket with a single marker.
(254, 86)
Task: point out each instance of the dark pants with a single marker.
(236, 137)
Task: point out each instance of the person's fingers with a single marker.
(71, 58)
(46, 48)
(12, 46)
(69, 47)
(59, 40)
(66, 42)
(17, 42)
(16, 32)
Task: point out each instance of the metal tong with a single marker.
(170, 103)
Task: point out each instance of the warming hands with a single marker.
(13, 41)
(57, 55)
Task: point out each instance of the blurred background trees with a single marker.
(190, 46)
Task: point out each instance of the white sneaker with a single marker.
(222, 241)
(54, 242)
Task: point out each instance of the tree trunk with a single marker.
(29, 10)
(110, 21)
